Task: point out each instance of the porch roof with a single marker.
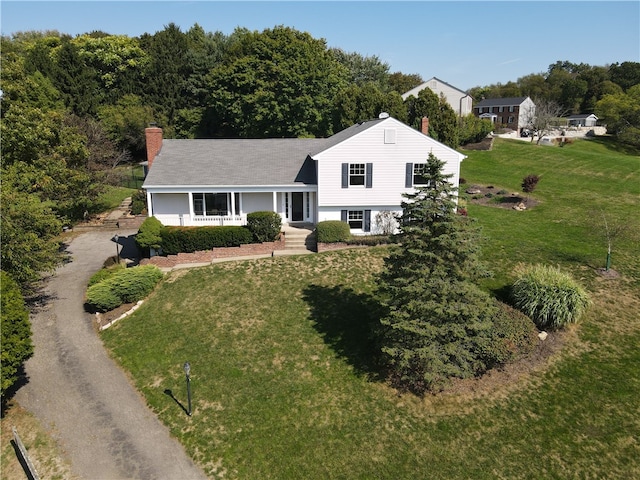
(235, 162)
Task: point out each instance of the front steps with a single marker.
(298, 240)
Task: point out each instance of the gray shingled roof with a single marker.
(242, 162)
(501, 102)
(234, 162)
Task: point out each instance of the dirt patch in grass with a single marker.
(492, 196)
(45, 454)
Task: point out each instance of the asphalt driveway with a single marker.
(83, 396)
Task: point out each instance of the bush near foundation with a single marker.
(265, 226)
(148, 236)
(124, 286)
(333, 231)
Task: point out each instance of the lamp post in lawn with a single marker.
(187, 372)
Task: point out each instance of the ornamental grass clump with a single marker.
(550, 297)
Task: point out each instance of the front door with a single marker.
(297, 207)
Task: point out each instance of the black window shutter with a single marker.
(367, 220)
(369, 176)
(343, 215)
(408, 182)
(345, 175)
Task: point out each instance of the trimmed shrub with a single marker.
(332, 231)
(551, 298)
(133, 284)
(102, 298)
(149, 234)
(193, 239)
(264, 226)
(511, 336)
(104, 273)
(124, 286)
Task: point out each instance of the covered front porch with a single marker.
(219, 208)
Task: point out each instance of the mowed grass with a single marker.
(283, 371)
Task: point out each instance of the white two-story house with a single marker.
(460, 101)
(350, 176)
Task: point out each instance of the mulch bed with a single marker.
(492, 196)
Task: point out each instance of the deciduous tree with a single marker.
(16, 332)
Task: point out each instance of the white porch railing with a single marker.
(219, 220)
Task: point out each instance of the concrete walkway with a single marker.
(78, 392)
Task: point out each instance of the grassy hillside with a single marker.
(283, 383)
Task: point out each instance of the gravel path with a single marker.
(76, 390)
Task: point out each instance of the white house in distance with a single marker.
(351, 176)
(461, 102)
(582, 120)
(513, 112)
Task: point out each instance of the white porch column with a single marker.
(275, 202)
(190, 199)
(149, 204)
(233, 203)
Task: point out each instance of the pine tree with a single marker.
(437, 317)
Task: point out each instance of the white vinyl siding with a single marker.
(388, 165)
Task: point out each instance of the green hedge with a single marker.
(333, 231)
(124, 286)
(265, 226)
(550, 297)
(192, 239)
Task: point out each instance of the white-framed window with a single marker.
(356, 173)
(511, 108)
(511, 119)
(355, 219)
(419, 170)
(501, 109)
(211, 204)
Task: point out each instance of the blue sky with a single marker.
(466, 44)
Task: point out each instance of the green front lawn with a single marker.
(284, 376)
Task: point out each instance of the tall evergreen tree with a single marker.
(77, 82)
(167, 70)
(437, 317)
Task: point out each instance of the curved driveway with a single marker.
(76, 390)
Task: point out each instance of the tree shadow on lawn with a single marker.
(349, 324)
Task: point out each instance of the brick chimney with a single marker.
(424, 125)
(153, 136)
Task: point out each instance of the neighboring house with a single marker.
(514, 113)
(582, 120)
(351, 176)
(460, 101)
